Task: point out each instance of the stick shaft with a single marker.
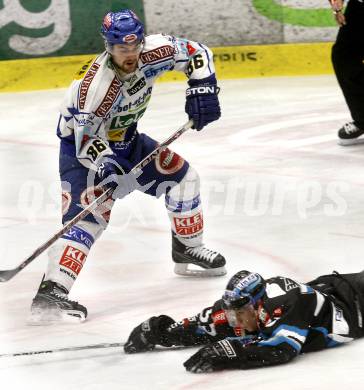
(66, 349)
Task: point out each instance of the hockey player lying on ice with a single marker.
(262, 322)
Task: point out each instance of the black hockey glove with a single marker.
(217, 356)
(148, 334)
(202, 103)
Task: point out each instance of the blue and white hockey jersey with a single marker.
(102, 105)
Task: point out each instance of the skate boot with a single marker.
(350, 134)
(208, 262)
(51, 305)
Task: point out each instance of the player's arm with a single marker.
(196, 61)
(239, 353)
(165, 331)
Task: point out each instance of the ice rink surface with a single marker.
(280, 197)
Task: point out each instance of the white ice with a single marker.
(280, 197)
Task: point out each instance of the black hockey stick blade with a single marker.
(7, 275)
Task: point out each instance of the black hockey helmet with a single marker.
(244, 288)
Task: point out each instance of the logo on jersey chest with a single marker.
(137, 86)
(119, 125)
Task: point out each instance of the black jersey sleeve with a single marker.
(207, 326)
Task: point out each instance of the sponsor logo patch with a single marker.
(191, 50)
(229, 350)
(85, 84)
(189, 225)
(154, 72)
(117, 135)
(219, 317)
(109, 98)
(80, 236)
(137, 86)
(73, 259)
(169, 162)
(157, 54)
(104, 210)
(130, 38)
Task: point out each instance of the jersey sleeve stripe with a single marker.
(278, 340)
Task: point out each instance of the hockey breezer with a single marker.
(260, 322)
(6, 275)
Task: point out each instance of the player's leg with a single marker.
(347, 60)
(180, 183)
(68, 255)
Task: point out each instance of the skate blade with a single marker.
(349, 142)
(50, 317)
(184, 269)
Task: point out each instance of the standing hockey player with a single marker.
(100, 144)
(262, 322)
(348, 62)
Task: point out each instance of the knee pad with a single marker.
(187, 189)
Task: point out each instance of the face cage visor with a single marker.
(124, 48)
(232, 315)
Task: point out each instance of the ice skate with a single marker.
(350, 134)
(51, 304)
(206, 261)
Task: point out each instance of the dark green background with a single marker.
(86, 19)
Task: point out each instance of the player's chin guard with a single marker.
(196, 261)
(123, 27)
(243, 289)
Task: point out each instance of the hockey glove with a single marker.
(202, 103)
(112, 175)
(214, 357)
(148, 334)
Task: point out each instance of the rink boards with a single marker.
(231, 62)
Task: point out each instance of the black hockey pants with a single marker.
(348, 291)
(347, 60)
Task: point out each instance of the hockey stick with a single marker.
(85, 347)
(8, 274)
(67, 349)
